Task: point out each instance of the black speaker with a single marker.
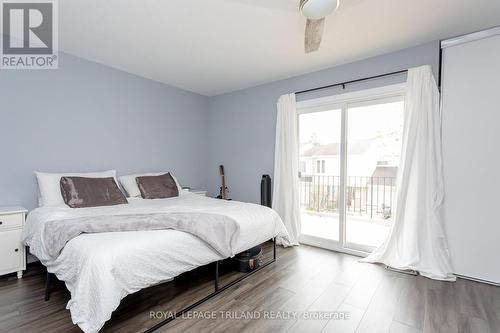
(265, 191)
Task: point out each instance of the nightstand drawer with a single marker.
(11, 221)
(11, 251)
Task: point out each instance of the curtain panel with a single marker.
(417, 240)
(286, 169)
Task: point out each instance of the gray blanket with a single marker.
(216, 230)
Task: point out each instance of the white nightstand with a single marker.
(12, 251)
(199, 192)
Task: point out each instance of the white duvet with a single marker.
(100, 269)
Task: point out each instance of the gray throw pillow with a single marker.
(157, 187)
(81, 192)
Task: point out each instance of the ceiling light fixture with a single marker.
(316, 9)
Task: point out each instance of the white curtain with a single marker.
(417, 240)
(286, 169)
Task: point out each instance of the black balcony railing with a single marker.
(370, 197)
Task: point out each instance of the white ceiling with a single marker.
(216, 46)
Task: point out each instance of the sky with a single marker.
(383, 122)
(363, 123)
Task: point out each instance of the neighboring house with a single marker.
(325, 159)
(370, 183)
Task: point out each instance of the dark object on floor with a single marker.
(249, 260)
(265, 191)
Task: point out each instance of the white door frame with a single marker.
(343, 102)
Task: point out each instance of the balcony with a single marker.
(369, 207)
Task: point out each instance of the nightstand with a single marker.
(199, 192)
(12, 251)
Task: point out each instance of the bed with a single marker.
(100, 267)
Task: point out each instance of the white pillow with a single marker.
(50, 189)
(129, 183)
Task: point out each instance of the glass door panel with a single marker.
(319, 167)
(374, 135)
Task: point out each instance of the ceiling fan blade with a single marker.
(313, 35)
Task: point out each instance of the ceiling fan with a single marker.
(315, 11)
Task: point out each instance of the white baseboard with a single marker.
(478, 280)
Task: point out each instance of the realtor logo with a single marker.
(29, 34)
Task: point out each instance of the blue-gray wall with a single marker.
(88, 117)
(242, 124)
(85, 117)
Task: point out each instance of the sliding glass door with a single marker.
(350, 147)
(374, 133)
(319, 167)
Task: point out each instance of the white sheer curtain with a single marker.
(417, 240)
(286, 169)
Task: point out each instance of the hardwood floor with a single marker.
(304, 280)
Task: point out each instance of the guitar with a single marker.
(223, 189)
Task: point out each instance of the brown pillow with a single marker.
(157, 187)
(80, 192)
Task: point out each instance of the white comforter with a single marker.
(101, 269)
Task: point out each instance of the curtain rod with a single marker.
(343, 84)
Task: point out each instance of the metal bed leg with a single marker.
(47, 286)
(216, 281)
(274, 248)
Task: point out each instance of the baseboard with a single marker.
(496, 284)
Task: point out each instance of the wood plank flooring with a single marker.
(304, 280)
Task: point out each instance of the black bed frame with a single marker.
(217, 290)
